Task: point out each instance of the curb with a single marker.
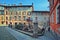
(27, 33)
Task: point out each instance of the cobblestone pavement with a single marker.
(5, 35)
(21, 36)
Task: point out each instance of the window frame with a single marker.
(29, 13)
(19, 18)
(57, 13)
(24, 18)
(24, 13)
(6, 18)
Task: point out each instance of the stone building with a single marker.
(14, 14)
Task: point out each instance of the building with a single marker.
(11, 14)
(55, 15)
(41, 16)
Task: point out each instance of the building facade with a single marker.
(42, 18)
(14, 14)
(55, 15)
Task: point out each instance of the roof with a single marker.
(41, 11)
(16, 5)
(19, 6)
(2, 5)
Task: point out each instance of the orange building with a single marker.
(55, 15)
(14, 14)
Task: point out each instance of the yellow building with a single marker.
(14, 14)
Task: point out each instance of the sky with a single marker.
(39, 5)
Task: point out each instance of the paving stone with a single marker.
(5, 35)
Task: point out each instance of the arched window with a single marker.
(6, 22)
(29, 13)
(6, 18)
(19, 17)
(24, 13)
(58, 15)
(6, 12)
(24, 18)
(2, 22)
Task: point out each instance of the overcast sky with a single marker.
(39, 5)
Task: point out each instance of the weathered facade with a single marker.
(14, 14)
(55, 15)
(42, 17)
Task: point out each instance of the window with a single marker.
(10, 22)
(24, 18)
(44, 18)
(2, 22)
(19, 13)
(16, 13)
(6, 12)
(24, 13)
(29, 13)
(6, 18)
(36, 18)
(10, 13)
(19, 17)
(10, 18)
(15, 23)
(15, 17)
(6, 22)
(58, 15)
(2, 18)
(53, 2)
(1, 12)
